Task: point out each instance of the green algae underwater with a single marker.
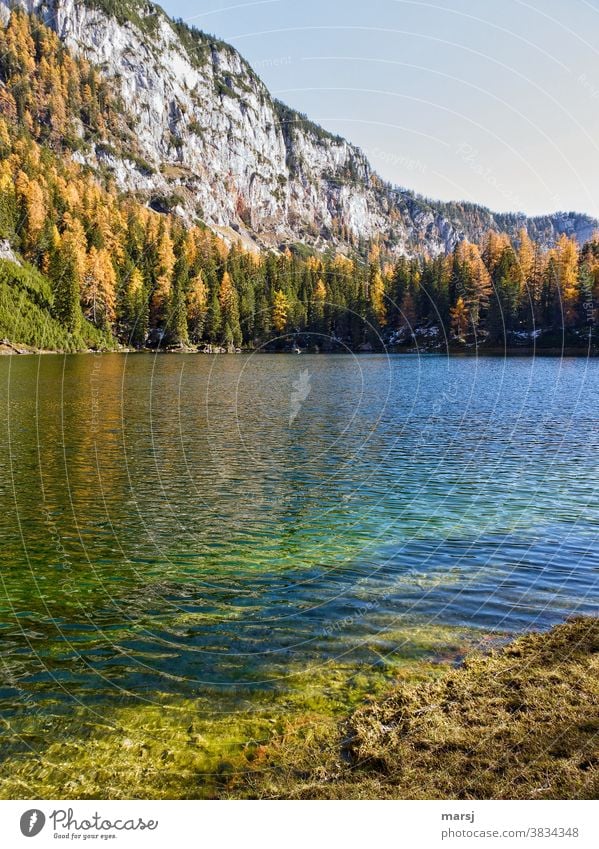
(203, 587)
(179, 748)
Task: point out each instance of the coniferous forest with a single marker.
(89, 267)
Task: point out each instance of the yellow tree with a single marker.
(526, 254)
(314, 264)
(137, 308)
(320, 291)
(98, 288)
(20, 42)
(135, 285)
(190, 247)
(71, 78)
(8, 206)
(459, 318)
(592, 260)
(343, 265)
(74, 238)
(36, 209)
(319, 298)
(566, 252)
(374, 254)
(532, 266)
(32, 199)
(226, 292)
(376, 293)
(5, 144)
(280, 310)
(197, 306)
(494, 245)
(472, 280)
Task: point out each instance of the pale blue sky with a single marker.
(495, 101)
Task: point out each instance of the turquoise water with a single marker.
(198, 525)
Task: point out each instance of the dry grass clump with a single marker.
(519, 723)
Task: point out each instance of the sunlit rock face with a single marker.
(226, 153)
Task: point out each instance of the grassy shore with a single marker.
(520, 722)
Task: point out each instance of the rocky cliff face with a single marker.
(217, 146)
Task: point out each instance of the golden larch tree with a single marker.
(98, 288)
(280, 310)
(566, 251)
(376, 293)
(460, 318)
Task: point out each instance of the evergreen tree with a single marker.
(177, 319)
(214, 322)
(229, 307)
(507, 285)
(65, 276)
(137, 315)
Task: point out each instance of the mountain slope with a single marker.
(136, 267)
(212, 144)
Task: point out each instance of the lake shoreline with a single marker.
(10, 349)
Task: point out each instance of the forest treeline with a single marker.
(107, 266)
